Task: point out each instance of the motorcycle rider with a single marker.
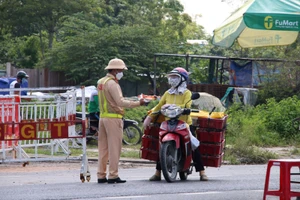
(93, 106)
(21, 78)
(94, 112)
(178, 94)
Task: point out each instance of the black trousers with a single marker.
(94, 116)
(196, 156)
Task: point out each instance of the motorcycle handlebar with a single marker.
(186, 111)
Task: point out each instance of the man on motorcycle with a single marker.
(178, 94)
(93, 106)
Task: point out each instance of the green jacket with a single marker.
(93, 106)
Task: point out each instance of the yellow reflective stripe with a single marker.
(103, 111)
(110, 115)
(102, 96)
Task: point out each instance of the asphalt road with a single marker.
(60, 180)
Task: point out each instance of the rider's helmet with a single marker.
(116, 64)
(22, 74)
(180, 71)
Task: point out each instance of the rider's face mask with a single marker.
(24, 80)
(174, 81)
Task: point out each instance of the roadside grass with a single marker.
(92, 151)
(295, 151)
(234, 154)
(131, 151)
(248, 155)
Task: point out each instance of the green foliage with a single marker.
(268, 124)
(140, 112)
(199, 69)
(245, 123)
(278, 116)
(86, 42)
(28, 52)
(86, 34)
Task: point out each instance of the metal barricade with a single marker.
(38, 128)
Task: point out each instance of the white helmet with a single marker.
(116, 64)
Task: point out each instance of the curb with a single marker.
(126, 160)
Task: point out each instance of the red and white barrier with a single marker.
(29, 123)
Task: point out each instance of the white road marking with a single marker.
(126, 197)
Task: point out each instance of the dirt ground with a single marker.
(285, 152)
(62, 165)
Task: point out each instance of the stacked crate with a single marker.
(150, 143)
(211, 134)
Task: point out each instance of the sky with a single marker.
(213, 12)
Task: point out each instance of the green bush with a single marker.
(268, 124)
(140, 112)
(278, 116)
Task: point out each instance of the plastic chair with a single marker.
(284, 191)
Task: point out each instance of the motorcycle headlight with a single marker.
(172, 112)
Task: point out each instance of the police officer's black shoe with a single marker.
(102, 180)
(116, 180)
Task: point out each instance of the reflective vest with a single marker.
(103, 102)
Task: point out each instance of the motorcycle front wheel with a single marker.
(132, 135)
(169, 164)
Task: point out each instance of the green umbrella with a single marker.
(260, 23)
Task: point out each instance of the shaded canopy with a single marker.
(261, 23)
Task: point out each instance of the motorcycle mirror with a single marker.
(195, 95)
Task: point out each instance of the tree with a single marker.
(32, 17)
(129, 29)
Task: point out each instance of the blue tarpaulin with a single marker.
(241, 75)
(5, 82)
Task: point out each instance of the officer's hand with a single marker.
(142, 102)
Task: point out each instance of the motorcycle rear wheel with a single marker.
(169, 164)
(132, 135)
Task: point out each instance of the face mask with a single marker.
(119, 75)
(174, 81)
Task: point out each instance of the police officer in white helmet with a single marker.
(112, 104)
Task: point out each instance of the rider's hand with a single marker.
(147, 122)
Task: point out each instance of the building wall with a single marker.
(41, 77)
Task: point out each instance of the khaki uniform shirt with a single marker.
(114, 97)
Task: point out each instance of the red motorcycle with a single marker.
(174, 143)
